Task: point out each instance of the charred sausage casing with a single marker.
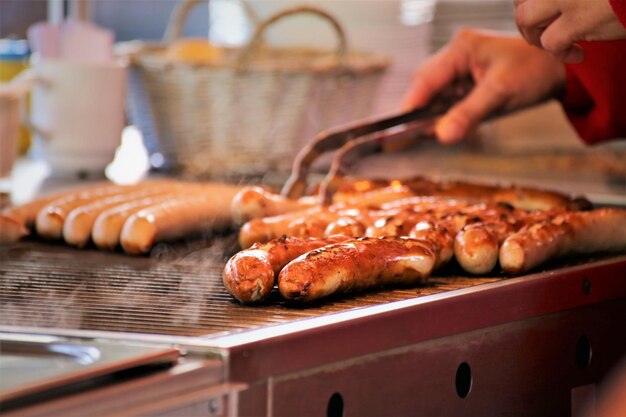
(566, 234)
(250, 275)
(356, 265)
(255, 202)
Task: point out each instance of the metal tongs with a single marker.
(388, 134)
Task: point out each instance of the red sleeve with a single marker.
(595, 96)
(619, 7)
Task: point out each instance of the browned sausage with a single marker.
(249, 276)
(346, 226)
(476, 248)
(567, 233)
(356, 265)
(437, 237)
(268, 228)
(256, 202)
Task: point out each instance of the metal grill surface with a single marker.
(177, 290)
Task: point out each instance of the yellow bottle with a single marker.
(13, 60)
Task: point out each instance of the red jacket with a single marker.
(619, 7)
(595, 97)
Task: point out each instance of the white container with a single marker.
(77, 114)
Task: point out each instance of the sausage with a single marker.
(50, 219)
(107, 227)
(519, 197)
(268, 228)
(250, 275)
(356, 265)
(534, 199)
(424, 203)
(476, 248)
(345, 226)
(205, 211)
(397, 224)
(16, 222)
(11, 230)
(437, 237)
(255, 202)
(372, 199)
(566, 234)
(78, 226)
(452, 216)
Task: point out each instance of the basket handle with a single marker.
(178, 17)
(247, 52)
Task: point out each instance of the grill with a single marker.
(337, 351)
(176, 291)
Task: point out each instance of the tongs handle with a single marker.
(330, 140)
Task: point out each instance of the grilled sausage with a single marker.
(78, 226)
(356, 265)
(345, 226)
(268, 228)
(477, 244)
(250, 275)
(518, 197)
(476, 248)
(437, 237)
(373, 198)
(567, 233)
(205, 211)
(256, 202)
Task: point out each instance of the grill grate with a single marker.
(175, 291)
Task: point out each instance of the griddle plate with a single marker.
(175, 291)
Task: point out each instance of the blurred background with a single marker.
(537, 145)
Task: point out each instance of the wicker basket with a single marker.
(253, 110)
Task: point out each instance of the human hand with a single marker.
(556, 25)
(508, 75)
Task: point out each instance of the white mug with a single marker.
(77, 114)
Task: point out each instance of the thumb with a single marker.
(487, 96)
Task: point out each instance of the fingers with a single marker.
(433, 75)
(558, 39)
(533, 17)
(486, 97)
(574, 55)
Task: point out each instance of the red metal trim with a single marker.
(254, 355)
